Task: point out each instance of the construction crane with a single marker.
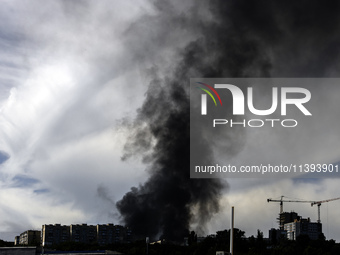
(281, 202)
(281, 206)
(319, 205)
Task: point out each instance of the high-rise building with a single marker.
(302, 226)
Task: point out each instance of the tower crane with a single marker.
(281, 205)
(281, 202)
(319, 205)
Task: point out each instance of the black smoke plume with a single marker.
(163, 205)
(228, 39)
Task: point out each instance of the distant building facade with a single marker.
(29, 237)
(302, 226)
(54, 234)
(287, 217)
(122, 234)
(109, 233)
(16, 240)
(83, 233)
(105, 234)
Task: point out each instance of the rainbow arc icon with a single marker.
(204, 97)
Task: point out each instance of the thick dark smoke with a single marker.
(230, 39)
(163, 205)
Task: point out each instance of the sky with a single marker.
(72, 76)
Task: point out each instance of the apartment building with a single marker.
(29, 237)
(54, 234)
(83, 233)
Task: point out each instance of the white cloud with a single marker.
(59, 120)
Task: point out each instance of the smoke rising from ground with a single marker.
(224, 39)
(169, 195)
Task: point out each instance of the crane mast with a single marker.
(319, 205)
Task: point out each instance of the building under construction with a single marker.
(302, 226)
(292, 225)
(286, 217)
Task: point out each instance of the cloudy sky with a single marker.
(72, 74)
